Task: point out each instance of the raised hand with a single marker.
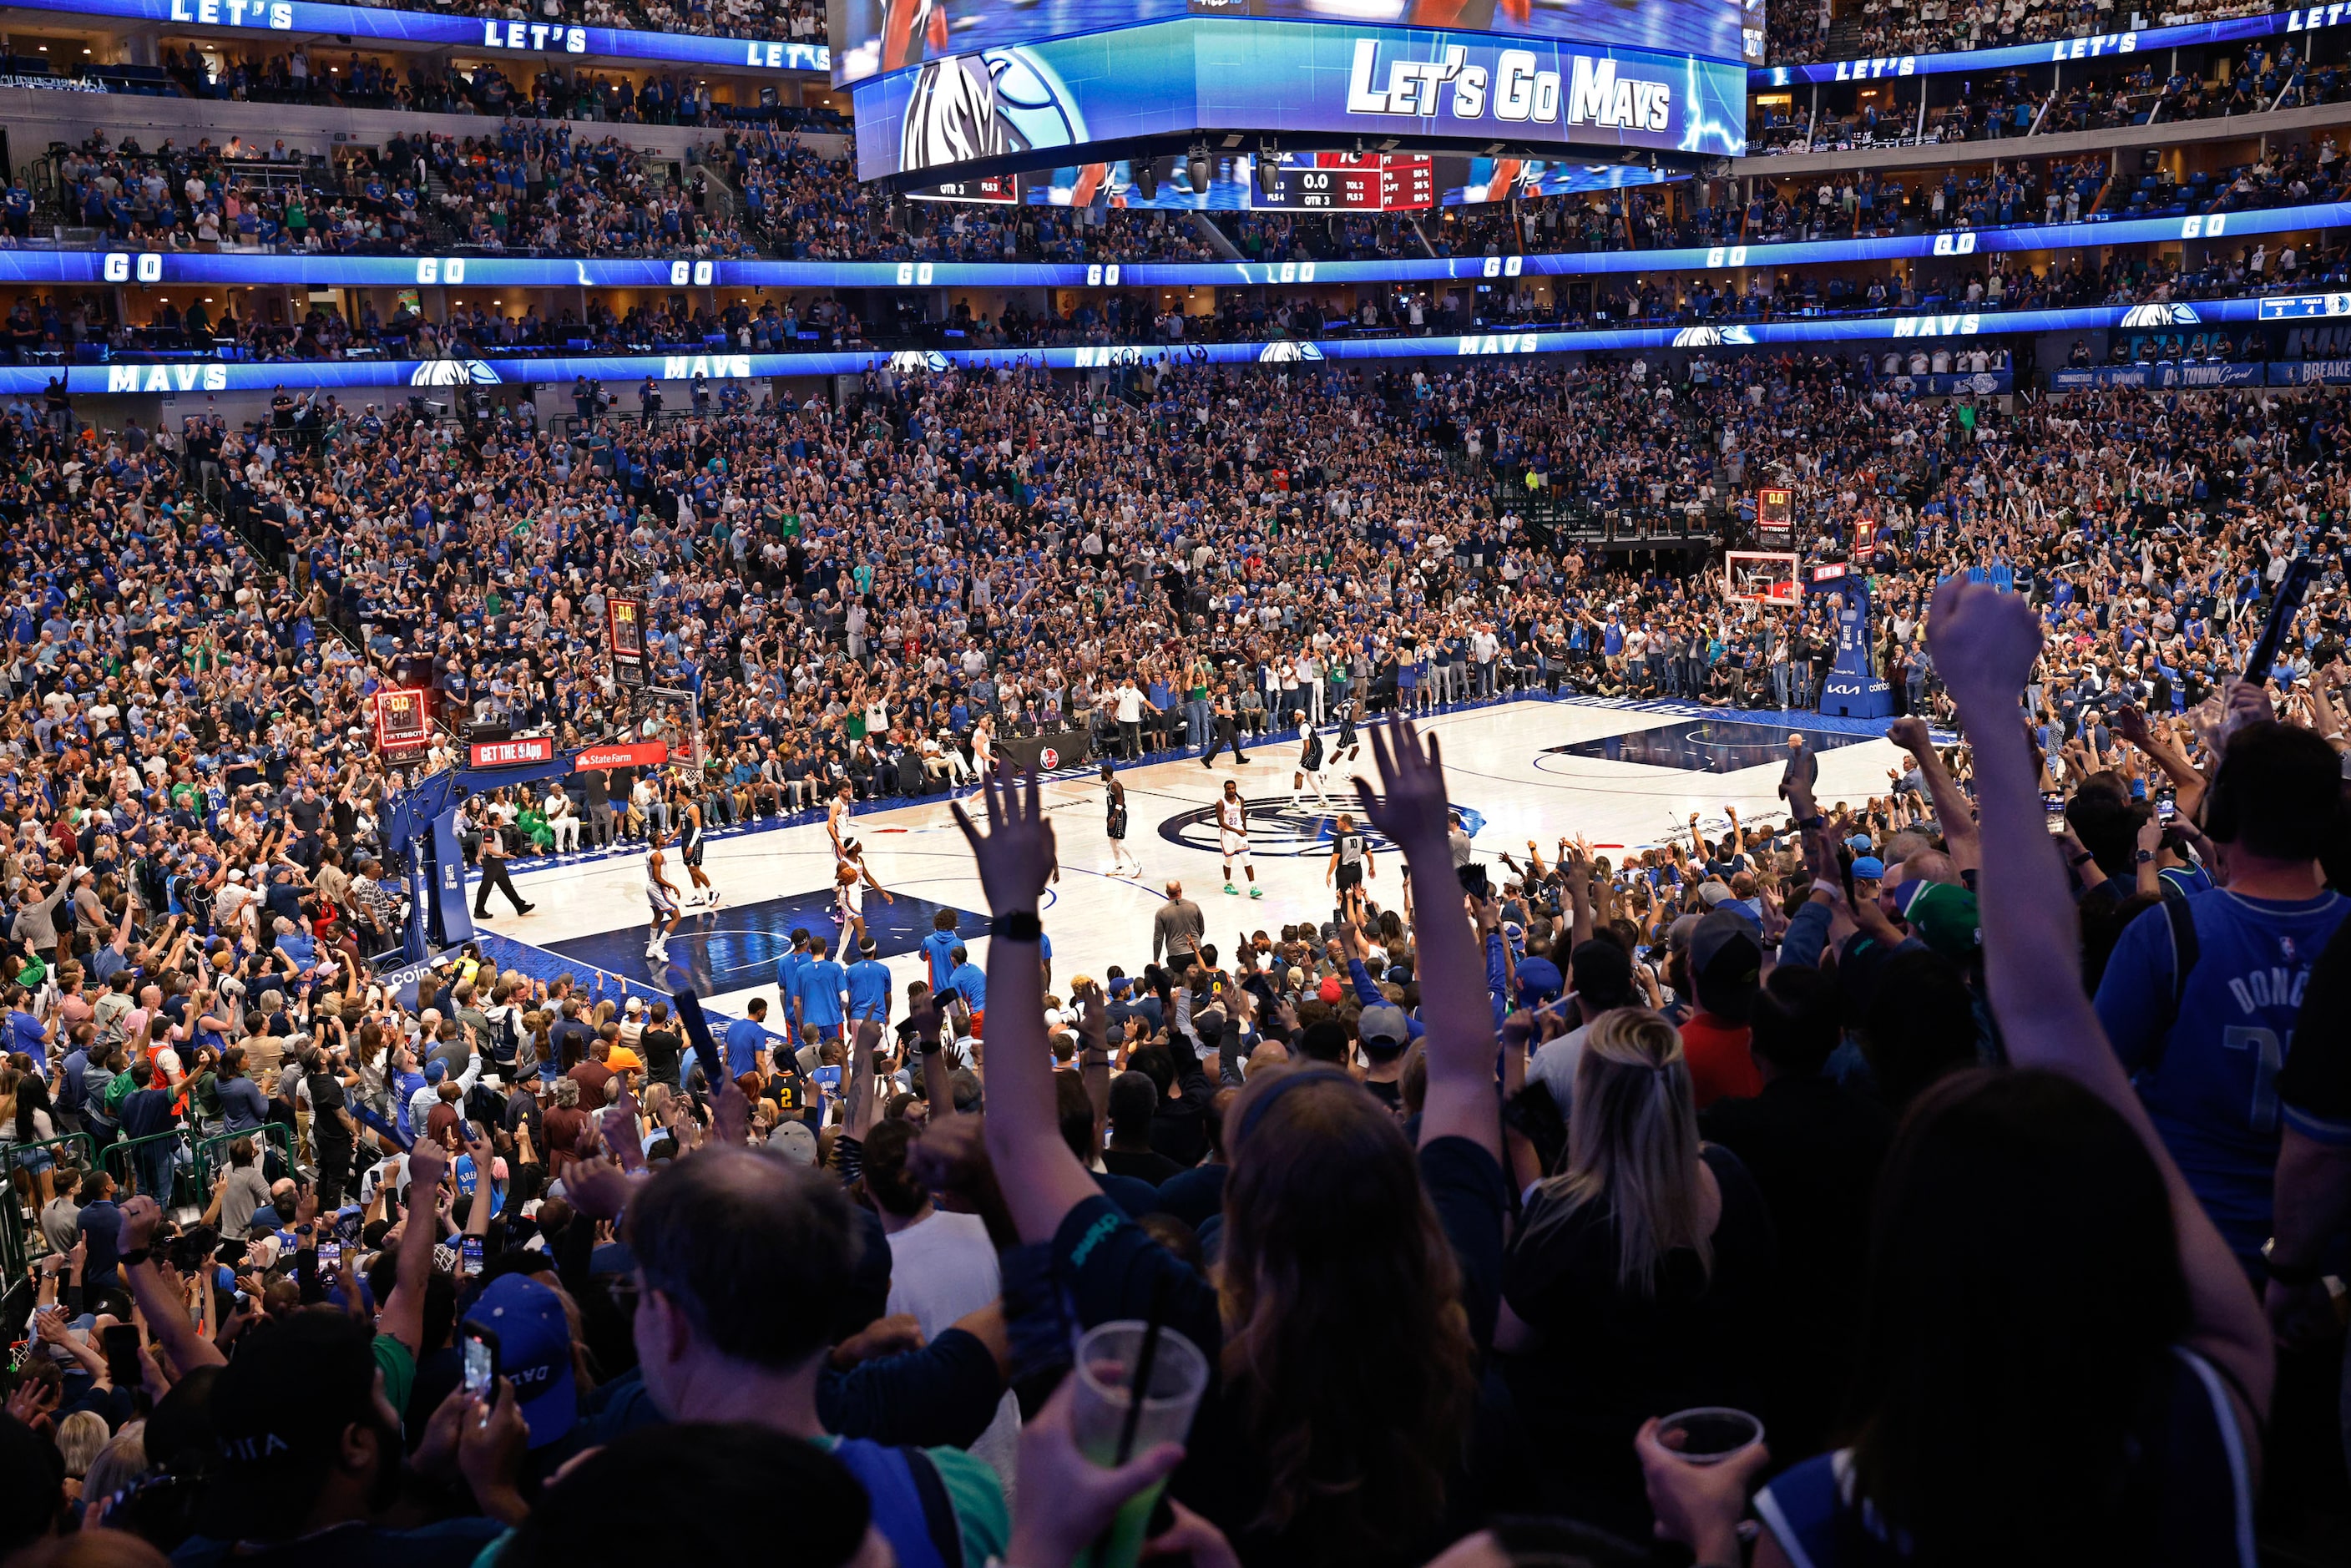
(1909, 732)
(428, 1162)
(1017, 854)
(1985, 643)
(624, 1135)
(135, 1227)
(596, 1188)
(1410, 805)
(730, 1115)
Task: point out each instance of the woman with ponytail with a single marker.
(1638, 1282)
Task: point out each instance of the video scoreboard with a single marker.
(1351, 183)
(1220, 87)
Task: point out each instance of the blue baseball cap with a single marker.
(1538, 980)
(1869, 868)
(534, 1352)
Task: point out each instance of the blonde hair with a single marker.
(81, 1437)
(1633, 1144)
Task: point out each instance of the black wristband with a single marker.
(2294, 1276)
(928, 1046)
(1806, 824)
(136, 1256)
(1020, 926)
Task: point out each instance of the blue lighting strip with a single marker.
(212, 376)
(57, 267)
(362, 24)
(2051, 51)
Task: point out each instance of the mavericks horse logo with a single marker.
(452, 374)
(982, 106)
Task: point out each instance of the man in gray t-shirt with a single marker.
(1176, 929)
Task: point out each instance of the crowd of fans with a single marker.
(796, 21)
(1978, 1143)
(662, 98)
(544, 192)
(1894, 28)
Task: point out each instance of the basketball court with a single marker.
(1624, 776)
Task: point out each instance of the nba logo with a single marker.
(1049, 757)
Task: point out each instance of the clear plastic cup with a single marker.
(1708, 1434)
(1108, 1357)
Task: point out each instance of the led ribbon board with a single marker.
(373, 25)
(194, 376)
(68, 266)
(2054, 51)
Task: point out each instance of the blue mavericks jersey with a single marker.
(2209, 1081)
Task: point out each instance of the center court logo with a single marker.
(1277, 832)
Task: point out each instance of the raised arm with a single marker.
(1410, 808)
(1041, 1179)
(2187, 783)
(404, 1311)
(1575, 872)
(167, 1316)
(1952, 808)
(1986, 642)
(863, 1108)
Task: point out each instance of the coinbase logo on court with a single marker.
(1275, 830)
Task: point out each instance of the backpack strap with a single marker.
(2179, 921)
(938, 1508)
(902, 1481)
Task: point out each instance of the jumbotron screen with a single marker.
(1411, 89)
(873, 37)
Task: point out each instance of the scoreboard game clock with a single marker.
(1775, 515)
(1351, 183)
(403, 721)
(624, 623)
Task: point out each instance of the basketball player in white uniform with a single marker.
(1350, 865)
(660, 893)
(836, 818)
(1232, 831)
(851, 878)
(983, 754)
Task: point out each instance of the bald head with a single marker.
(1927, 865)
